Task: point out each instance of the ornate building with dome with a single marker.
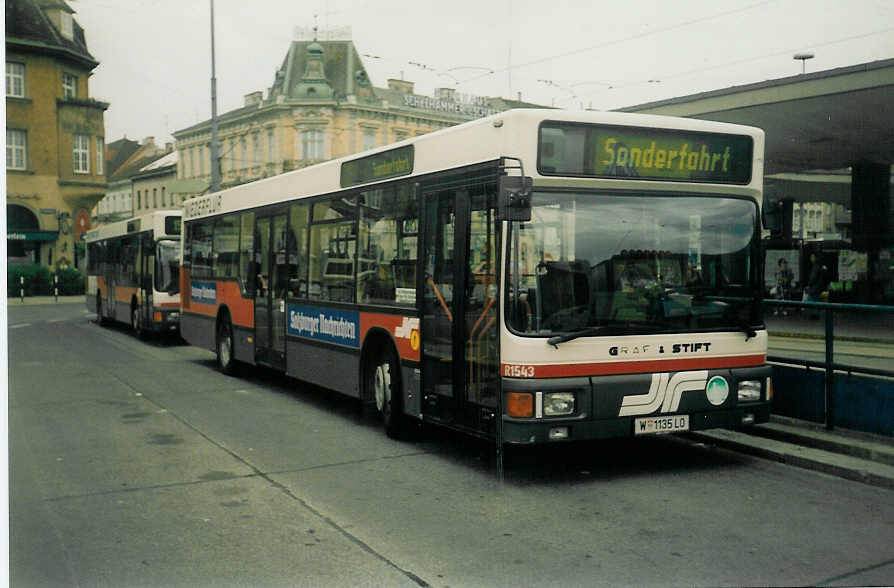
(321, 106)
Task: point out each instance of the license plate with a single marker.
(665, 424)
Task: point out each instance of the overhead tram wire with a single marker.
(626, 39)
(751, 59)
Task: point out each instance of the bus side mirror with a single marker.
(514, 199)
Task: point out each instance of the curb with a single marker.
(44, 300)
(820, 460)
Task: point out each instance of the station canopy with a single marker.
(817, 125)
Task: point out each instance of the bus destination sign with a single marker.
(381, 166)
(644, 153)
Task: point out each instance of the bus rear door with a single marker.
(271, 279)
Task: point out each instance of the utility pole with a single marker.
(215, 160)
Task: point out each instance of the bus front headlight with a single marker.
(749, 391)
(558, 403)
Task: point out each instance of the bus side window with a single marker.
(226, 246)
(297, 249)
(201, 233)
(388, 233)
(246, 249)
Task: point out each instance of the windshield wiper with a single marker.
(745, 326)
(588, 332)
(619, 328)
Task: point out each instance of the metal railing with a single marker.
(829, 365)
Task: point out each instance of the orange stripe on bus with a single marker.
(125, 293)
(630, 367)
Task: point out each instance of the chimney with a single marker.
(402, 86)
(445, 94)
(253, 98)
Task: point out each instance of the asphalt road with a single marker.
(135, 463)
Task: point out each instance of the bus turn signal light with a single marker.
(520, 404)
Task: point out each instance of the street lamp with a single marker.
(803, 57)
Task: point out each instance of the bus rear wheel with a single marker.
(382, 380)
(99, 318)
(136, 321)
(224, 347)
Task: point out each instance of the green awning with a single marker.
(32, 235)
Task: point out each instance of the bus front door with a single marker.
(460, 365)
(145, 279)
(270, 290)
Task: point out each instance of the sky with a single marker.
(155, 55)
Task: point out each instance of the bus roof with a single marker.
(151, 220)
(513, 133)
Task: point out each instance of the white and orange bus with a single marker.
(133, 271)
(534, 276)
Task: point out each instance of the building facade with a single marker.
(322, 105)
(55, 134)
(152, 185)
(137, 183)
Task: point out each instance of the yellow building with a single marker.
(54, 134)
(321, 106)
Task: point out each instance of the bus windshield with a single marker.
(597, 263)
(167, 274)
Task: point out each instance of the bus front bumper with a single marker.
(527, 432)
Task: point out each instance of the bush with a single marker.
(71, 282)
(39, 281)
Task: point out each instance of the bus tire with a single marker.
(226, 363)
(100, 320)
(136, 320)
(382, 381)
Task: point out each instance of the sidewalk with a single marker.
(861, 457)
(853, 326)
(37, 300)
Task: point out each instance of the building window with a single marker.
(69, 85)
(192, 162)
(369, 139)
(15, 79)
(256, 144)
(154, 197)
(139, 200)
(100, 155)
(232, 153)
(16, 149)
(67, 25)
(201, 160)
(81, 153)
(163, 197)
(312, 144)
(243, 151)
(271, 147)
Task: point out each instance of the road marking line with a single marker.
(20, 326)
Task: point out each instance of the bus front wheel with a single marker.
(136, 320)
(383, 384)
(225, 361)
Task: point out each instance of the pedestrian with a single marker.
(816, 281)
(784, 279)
